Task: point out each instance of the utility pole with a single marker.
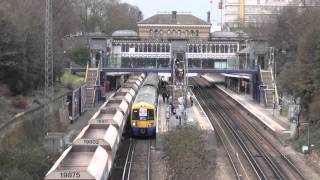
(48, 63)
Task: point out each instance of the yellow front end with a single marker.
(146, 125)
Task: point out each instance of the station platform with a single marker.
(195, 116)
(269, 117)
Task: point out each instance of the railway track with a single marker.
(265, 160)
(137, 166)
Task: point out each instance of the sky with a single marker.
(198, 8)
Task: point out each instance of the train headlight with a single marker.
(134, 124)
(150, 124)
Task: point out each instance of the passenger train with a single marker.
(93, 151)
(144, 109)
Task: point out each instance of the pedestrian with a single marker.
(164, 97)
(167, 97)
(191, 101)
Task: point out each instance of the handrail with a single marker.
(85, 79)
(275, 89)
(96, 79)
(264, 92)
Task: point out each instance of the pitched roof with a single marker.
(182, 19)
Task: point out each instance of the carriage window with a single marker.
(136, 115)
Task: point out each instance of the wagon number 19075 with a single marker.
(73, 174)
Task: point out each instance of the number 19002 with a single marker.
(71, 174)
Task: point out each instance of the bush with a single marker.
(187, 155)
(20, 102)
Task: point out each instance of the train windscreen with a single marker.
(142, 114)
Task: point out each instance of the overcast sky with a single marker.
(198, 8)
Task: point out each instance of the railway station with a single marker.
(172, 97)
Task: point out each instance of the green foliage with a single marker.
(25, 161)
(296, 32)
(188, 158)
(71, 80)
(80, 55)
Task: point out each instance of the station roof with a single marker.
(224, 34)
(124, 33)
(182, 19)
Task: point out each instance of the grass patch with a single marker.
(72, 80)
(186, 154)
(303, 139)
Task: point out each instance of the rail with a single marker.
(236, 161)
(128, 167)
(249, 134)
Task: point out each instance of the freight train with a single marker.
(93, 151)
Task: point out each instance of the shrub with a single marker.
(20, 102)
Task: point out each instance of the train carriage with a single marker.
(144, 108)
(94, 149)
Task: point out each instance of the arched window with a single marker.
(156, 34)
(161, 33)
(195, 48)
(179, 33)
(136, 48)
(213, 48)
(158, 47)
(145, 48)
(235, 47)
(140, 47)
(217, 49)
(151, 32)
(222, 48)
(174, 33)
(123, 48)
(192, 33)
(154, 48)
(163, 48)
(197, 33)
(227, 49)
(149, 47)
(190, 48)
(204, 49)
(167, 48)
(187, 33)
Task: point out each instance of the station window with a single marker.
(149, 47)
(123, 48)
(195, 48)
(163, 48)
(167, 48)
(145, 48)
(235, 47)
(204, 48)
(213, 48)
(222, 48)
(217, 49)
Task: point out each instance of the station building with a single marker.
(154, 45)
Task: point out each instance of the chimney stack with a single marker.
(208, 17)
(139, 16)
(174, 16)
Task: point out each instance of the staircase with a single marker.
(177, 93)
(92, 77)
(269, 88)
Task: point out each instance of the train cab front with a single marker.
(143, 129)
